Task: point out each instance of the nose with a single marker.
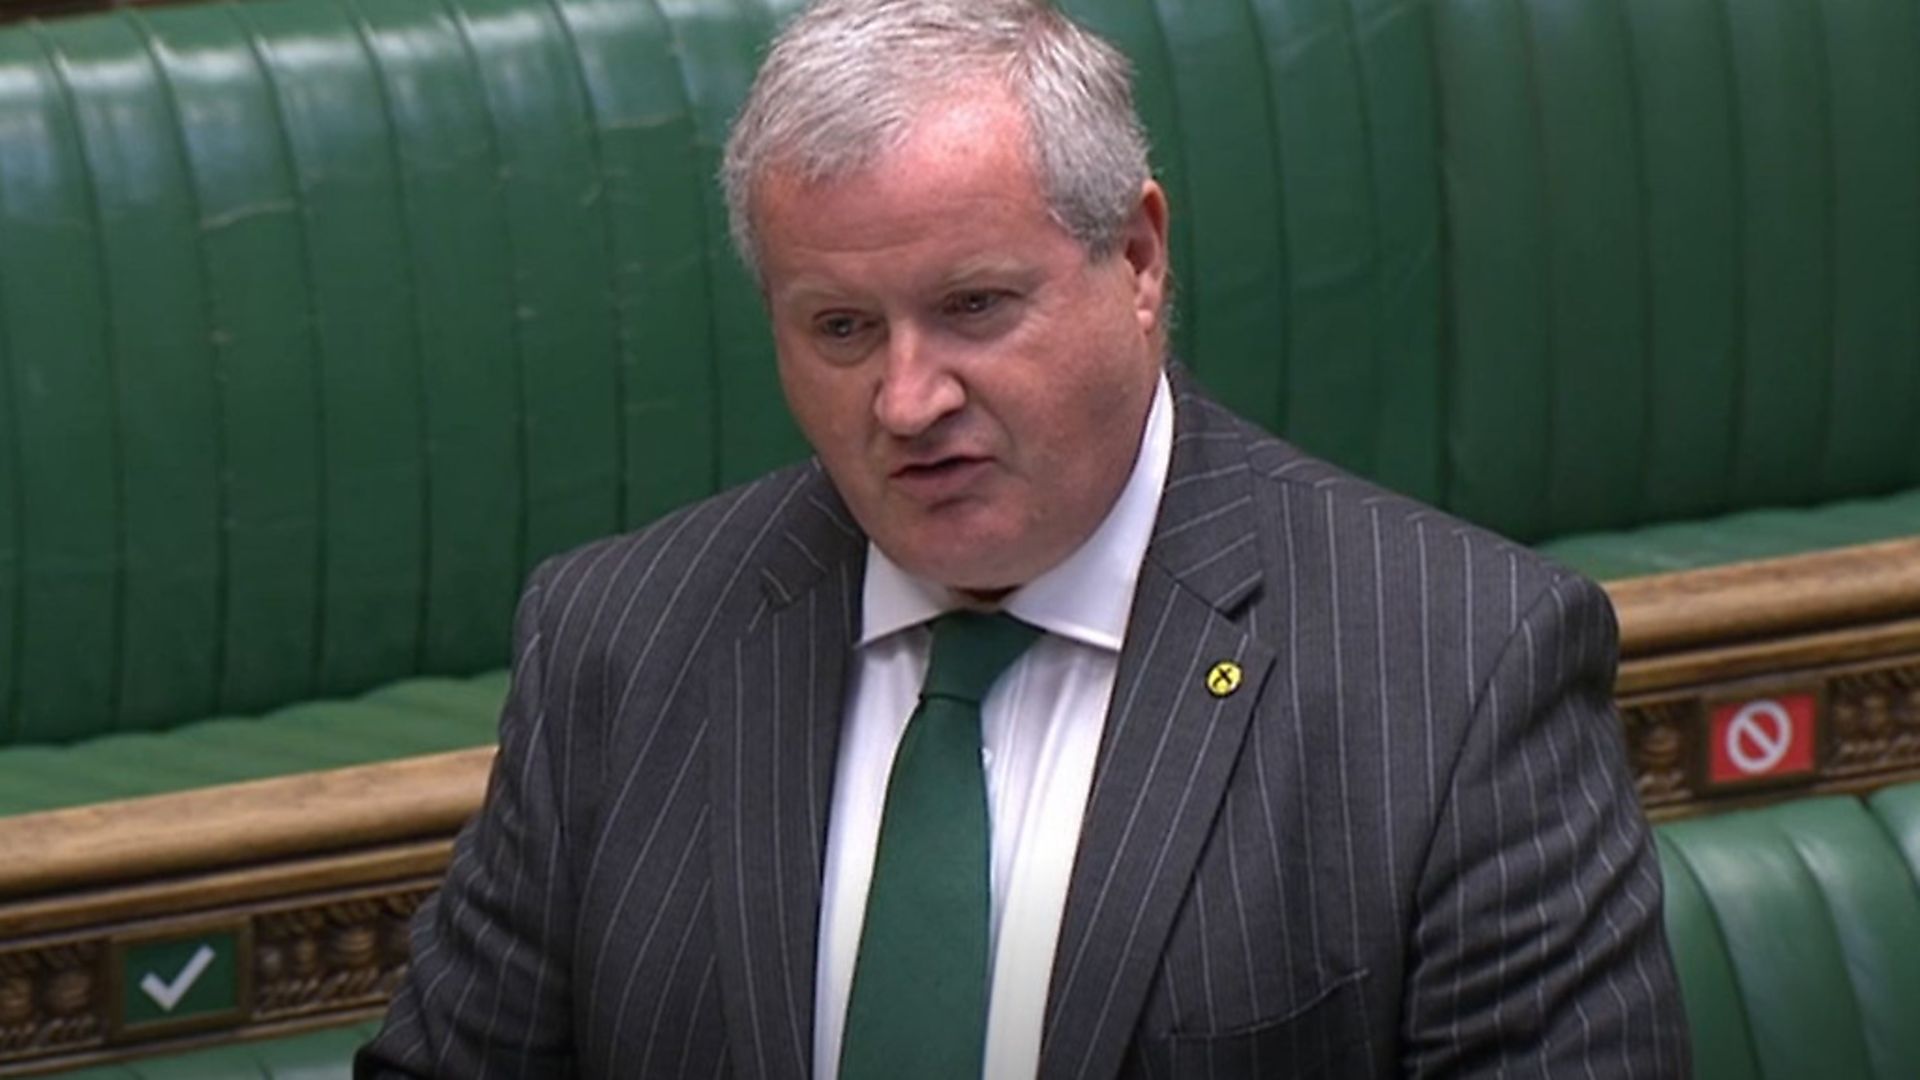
(917, 388)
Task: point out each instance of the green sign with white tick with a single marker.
(180, 980)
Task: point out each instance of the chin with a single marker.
(949, 559)
(966, 566)
(964, 575)
(973, 548)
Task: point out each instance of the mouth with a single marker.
(939, 479)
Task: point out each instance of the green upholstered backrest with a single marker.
(1683, 255)
(1558, 265)
(1794, 930)
(322, 320)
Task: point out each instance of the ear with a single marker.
(1145, 247)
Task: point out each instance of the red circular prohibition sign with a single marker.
(1759, 736)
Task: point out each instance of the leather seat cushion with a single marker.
(1793, 929)
(318, 1055)
(1758, 534)
(416, 716)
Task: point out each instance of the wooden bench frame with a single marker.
(319, 873)
(1840, 629)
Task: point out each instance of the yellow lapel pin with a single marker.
(1223, 679)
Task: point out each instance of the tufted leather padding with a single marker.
(1749, 534)
(1794, 930)
(320, 322)
(1682, 254)
(1564, 267)
(1899, 809)
(415, 716)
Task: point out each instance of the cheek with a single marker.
(1090, 430)
(1074, 427)
(828, 405)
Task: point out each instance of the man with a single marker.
(1298, 778)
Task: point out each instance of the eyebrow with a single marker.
(808, 291)
(986, 267)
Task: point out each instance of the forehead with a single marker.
(961, 177)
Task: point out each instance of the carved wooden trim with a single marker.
(52, 1000)
(330, 957)
(1862, 732)
(1875, 719)
(310, 961)
(1662, 737)
(306, 882)
(1825, 646)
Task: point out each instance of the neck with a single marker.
(988, 599)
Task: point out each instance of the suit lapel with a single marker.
(777, 708)
(1172, 738)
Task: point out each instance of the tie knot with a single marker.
(970, 650)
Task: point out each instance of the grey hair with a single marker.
(843, 82)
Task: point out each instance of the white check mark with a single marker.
(168, 994)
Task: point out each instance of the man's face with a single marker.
(975, 386)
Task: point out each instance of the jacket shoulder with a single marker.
(1362, 512)
(701, 552)
(700, 572)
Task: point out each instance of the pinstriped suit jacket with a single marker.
(1408, 842)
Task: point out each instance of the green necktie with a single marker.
(918, 1008)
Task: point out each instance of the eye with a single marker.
(838, 325)
(973, 302)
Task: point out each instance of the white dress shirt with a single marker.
(1041, 728)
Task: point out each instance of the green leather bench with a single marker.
(1795, 929)
(322, 321)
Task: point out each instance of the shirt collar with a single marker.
(1086, 596)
